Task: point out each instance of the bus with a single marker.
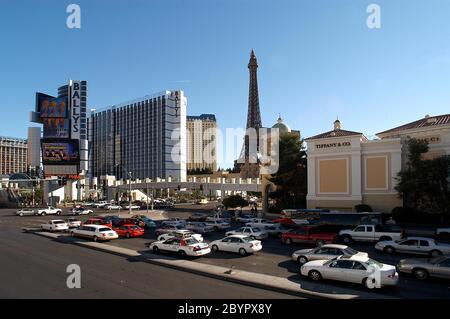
(327, 217)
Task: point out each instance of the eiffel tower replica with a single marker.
(247, 164)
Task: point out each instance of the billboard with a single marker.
(56, 127)
(40, 98)
(75, 109)
(52, 107)
(60, 152)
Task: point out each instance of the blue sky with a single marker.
(318, 60)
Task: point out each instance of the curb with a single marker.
(268, 282)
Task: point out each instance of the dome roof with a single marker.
(281, 126)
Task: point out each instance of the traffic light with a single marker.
(62, 181)
(179, 187)
(201, 187)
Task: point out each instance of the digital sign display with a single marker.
(62, 152)
(53, 107)
(56, 127)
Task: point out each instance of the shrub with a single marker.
(234, 201)
(363, 208)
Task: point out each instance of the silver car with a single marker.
(414, 245)
(423, 268)
(326, 252)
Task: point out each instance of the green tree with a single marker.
(424, 184)
(234, 201)
(291, 177)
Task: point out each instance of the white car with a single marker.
(81, 211)
(25, 212)
(240, 244)
(48, 211)
(182, 246)
(325, 252)
(100, 204)
(73, 222)
(55, 225)
(354, 269)
(245, 219)
(132, 207)
(218, 224)
(414, 245)
(95, 232)
(259, 223)
(114, 207)
(183, 233)
(252, 232)
(199, 227)
(174, 222)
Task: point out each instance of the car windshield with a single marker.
(59, 222)
(330, 261)
(247, 239)
(256, 229)
(350, 251)
(190, 241)
(104, 229)
(134, 227)
(372, 262)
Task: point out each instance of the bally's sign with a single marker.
(75, 109)
(333, 145)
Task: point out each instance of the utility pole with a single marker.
(129, 197)
(146, 182)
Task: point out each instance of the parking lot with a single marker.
(274, 259)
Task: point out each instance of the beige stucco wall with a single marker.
(333, 176)
(382, 202)
(340, 205)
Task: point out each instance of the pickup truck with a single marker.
(309, 235)
(370, 233)
(443, 233)
(48, 211)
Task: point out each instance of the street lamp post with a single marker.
(146, 182)
(129, 196)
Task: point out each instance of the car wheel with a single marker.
(58, 213)
(302, 260)
(435, 253)
(95, 238)
(43, 214)
(21, 214)
(182, 253)
(389, 249)
(155, 249)
(420, 273)
(369, 283)
(72, 234)
(320, 243)
(346, 239)
(314, 275)
(242, 252)
(215, 248)
(288, 241)
(127, 235)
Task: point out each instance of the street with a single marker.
(106, 275)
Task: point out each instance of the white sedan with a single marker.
(55, 225)
(354, 269)
(183, 247)
(73, 222)
(252, 232)
(260, 223)
(240, 244)
(183, 233)
(95, 232)
(174, 222)
(81, 211)
(414, 245)
(114, 207)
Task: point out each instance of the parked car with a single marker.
(50, 210)
(99, 221)
(202, 201)
(414, 245)
(129, 230)
(128, 221)
(277, 230)
(127, 206)
(183, 233)
(73, 222)
(183, 247)
(25, 212)
(245, 218)
(55, 225)
(309, 235)
(219, 217)
(94, 232)
(199, 217)
(148, 222)
(253, 232)
(174, 222)
(240, 244)
(370, 233)
(260, 223)
(199, 227)
(354, 269)
(164, 229)
(218, 224)
(114, 207)
(326, 252)
(423, 268)
(443, 233)
(100, 204)
(80, 211)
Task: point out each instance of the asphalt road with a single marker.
(274, 259)
(35, 267)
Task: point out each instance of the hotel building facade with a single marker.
(146, 137)
(201, 142)
(346, 169)
(13, 155)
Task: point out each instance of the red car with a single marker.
(98, 221)
(129, 221)
(284, 221)
(309, 235)
(129, 230)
